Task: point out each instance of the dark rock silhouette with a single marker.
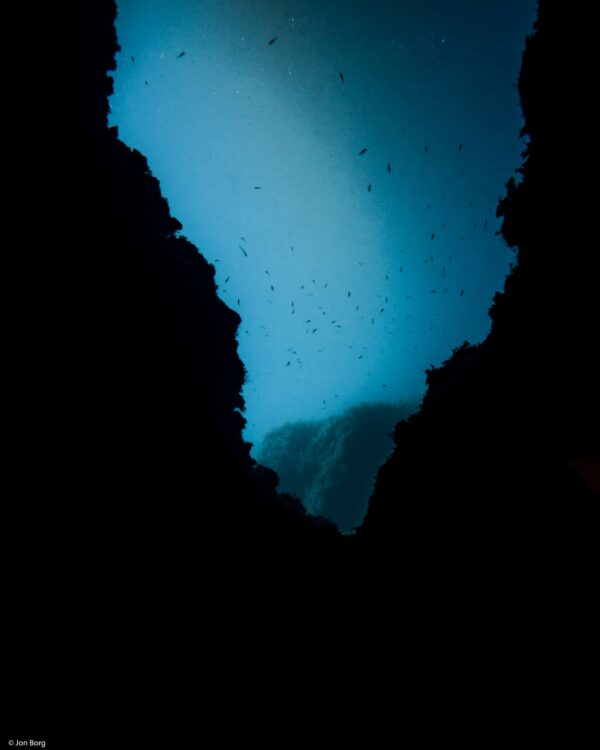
(124, 357)
(490, 463)
(165, 347)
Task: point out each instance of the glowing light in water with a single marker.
(341, 168)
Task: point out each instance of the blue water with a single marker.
(347, 294)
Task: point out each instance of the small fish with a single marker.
(369, 187)
(273, 40)
(313, 330)
(272, 288)
(433, 235)
(426, 149)
(348, 294)
(133, 59)
(242, 249)
(433, 291)
(257, 187)
(462, 292)
(342, 77)
(460, 146)
(239, 303)
(227, 279)
(288, 364)
(181, 54)
(389, 168)
(268, 274)
(146, 82)
(362, 151)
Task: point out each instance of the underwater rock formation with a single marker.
(489, 471)
(127, 377)
(138, 526)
